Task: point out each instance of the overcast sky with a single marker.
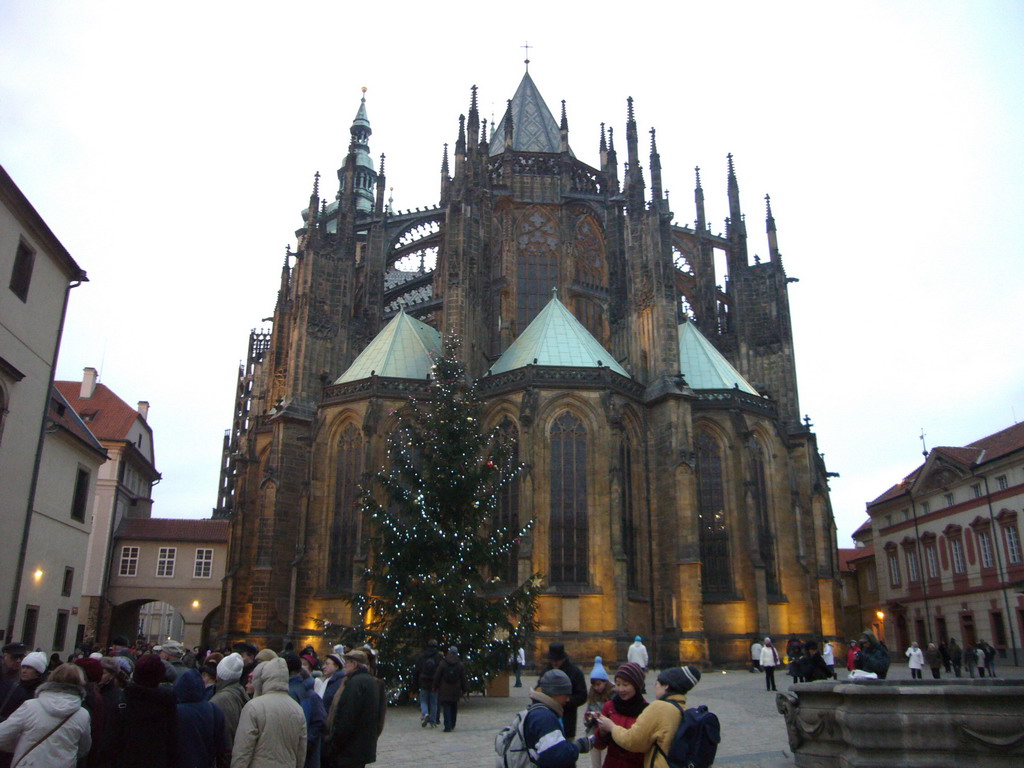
(171, 147)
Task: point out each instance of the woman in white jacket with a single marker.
(916, 661)
(51, 730)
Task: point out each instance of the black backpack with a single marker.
(696, 741)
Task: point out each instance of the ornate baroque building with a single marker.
(674, 490)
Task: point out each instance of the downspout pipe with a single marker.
(1002, 569)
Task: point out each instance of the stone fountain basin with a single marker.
(960, 723)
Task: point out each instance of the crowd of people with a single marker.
(170, 707)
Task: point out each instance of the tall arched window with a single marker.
(537, 247)
(344, 542)
(762, 512)
(628, 511)
(716, 576)
(569, 550)
(508, 502)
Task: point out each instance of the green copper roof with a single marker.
(404, 349)
(555, 337)
(703, 366)
(534, 128)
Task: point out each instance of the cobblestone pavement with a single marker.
(753, 732)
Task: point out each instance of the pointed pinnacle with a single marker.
(768, 205)
(381, 173)
(565, 121)
(611, 139)
(696, 170)
(654, 143)
(483, 131)
(604, 144)
(444, 160)
(629, 110)
(472, 99)
(732, 169)
(316, 184)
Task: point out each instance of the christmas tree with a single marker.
(441, 549)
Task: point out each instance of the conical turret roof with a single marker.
(555, 337)
(534, 128)
(405, 348)
(703, 366)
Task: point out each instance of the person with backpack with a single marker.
(559, 659)
(426, 666)
(600, 693)
(537, 735)
(623, 709)
(654, 732)
(450, 685)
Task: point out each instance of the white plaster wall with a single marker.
(56, 541)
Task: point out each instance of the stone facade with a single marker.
(705, 518)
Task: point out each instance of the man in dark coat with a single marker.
(557, 659)
(811, 665)
(450, 686)
(353, 721)
(872, 657)
(145, 733)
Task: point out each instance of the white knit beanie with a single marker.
(37, 660)
(229, 668)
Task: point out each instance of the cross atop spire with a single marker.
(526, 46)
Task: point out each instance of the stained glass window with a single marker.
(537, 246)
(714, 536)
(569, 550)
(508, 503)
(344, 532)
(762, 512)
(630, 524)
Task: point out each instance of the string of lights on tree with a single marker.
(437, 541)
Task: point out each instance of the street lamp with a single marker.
(880, 615)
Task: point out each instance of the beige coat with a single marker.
(272, 728)
(657, 725)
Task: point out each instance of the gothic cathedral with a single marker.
(674, 490)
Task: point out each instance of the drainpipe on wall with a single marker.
(1002, 569)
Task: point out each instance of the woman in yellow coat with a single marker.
(653, 731)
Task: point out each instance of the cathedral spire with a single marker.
(773, 238)
(698, 199)
(563, 129)
(656, 194)
(634, 177)
(507, 120)
(736, 227)
(735, 216)
(379, 208)
(358, 165)
(473, 122)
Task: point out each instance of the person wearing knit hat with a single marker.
(149, 671)
(558, 659)
(145, 732)
(543, 726)
(655, 728)
(623, 709)
(32, 668)
(229, 693)
(92, 667)
(600, 693)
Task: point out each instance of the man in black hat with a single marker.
(557, 659)
(11, 669)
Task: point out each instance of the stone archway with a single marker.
(192, 627)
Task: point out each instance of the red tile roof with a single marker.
(844, 558)
(62, 415)
(108, 416)
(863, 527)
(170, 529)
(975, 454)
(859, 553)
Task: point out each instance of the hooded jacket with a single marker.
(873, 657)
(201, 738)
(230, 697)
(272, 728)
(301, 691)
(32, 721)
(450, 679)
